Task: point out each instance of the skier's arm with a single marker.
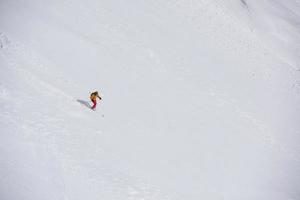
(99, 97)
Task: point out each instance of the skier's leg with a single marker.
(95, 104)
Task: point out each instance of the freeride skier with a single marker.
(93, 98)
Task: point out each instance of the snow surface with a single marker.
(200, 100)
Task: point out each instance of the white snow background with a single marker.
(200, 100)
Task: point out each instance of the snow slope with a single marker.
(277, 22)
(199, 100)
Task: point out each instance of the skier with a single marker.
(93, 98)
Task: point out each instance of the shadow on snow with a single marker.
(85, 103)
